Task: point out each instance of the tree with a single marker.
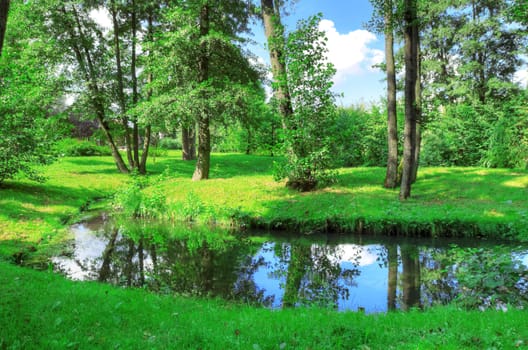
(201, 74)
(4, 10)
(28, 95)
(411, 71)
(274, 30)
(386, 9)
(307, 141)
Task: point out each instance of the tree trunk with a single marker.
(148, 128)
(275, 36)
(188, 143)
(121, 85)
(418, 107)
(4, 11)
(135, 95)
(201, 172)
(410, 98)
(391, 177)
(91, 80)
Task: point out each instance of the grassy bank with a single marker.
(446, 201)
(40, 310)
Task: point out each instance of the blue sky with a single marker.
(352, 49)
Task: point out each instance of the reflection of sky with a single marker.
(264, 275)
(369, 289)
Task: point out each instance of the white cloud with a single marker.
(350, 53)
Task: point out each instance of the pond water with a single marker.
(369, 274)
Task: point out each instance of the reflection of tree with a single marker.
(193, 266)
(392, 259)
(410, 256)
(313, 274)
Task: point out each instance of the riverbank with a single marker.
(466, 202)
(41, 310)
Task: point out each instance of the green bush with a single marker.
(169, 143)
(80, 148)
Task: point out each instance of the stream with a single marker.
(359, 273)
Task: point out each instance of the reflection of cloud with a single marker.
(349, 52)
(355, 254)
(521, 77)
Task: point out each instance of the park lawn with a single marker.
(41, 310)
(474, 201)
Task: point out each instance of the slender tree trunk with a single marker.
(91, 80)
(121, 85)
(135, 94)
(391, 177)
(201, 172)
(4, 11)
(148, 128)
(418, 107)
(188, 143)
(410, 98)
(275, 36)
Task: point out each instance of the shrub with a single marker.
(80, 148)
(169, 143)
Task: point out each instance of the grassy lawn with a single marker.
(40, 310)
(446, 201)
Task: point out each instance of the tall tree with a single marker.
(201, 172)
(411, 71)
(384, 21)
(201, 73)
(82, 40)
(274, 30)
(391, 177)
(4, 10)
(29, 91)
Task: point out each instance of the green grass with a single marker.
(41, 310)
(446, 201)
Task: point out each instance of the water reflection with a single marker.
(323, 271)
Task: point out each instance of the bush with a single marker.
(80, 148)
(169, 143)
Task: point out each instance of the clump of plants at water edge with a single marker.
(135, 201)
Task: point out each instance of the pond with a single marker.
(371, 274)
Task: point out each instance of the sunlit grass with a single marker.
(41, 310)
(33, 216)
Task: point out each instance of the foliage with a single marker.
(307, 143)
(83, 148)
(359, 136)
(169, 143)
(478, 134)
(28, 122)
(133, 201)
(490, 279)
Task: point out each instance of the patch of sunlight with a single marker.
(494, 214)
(520, 182)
